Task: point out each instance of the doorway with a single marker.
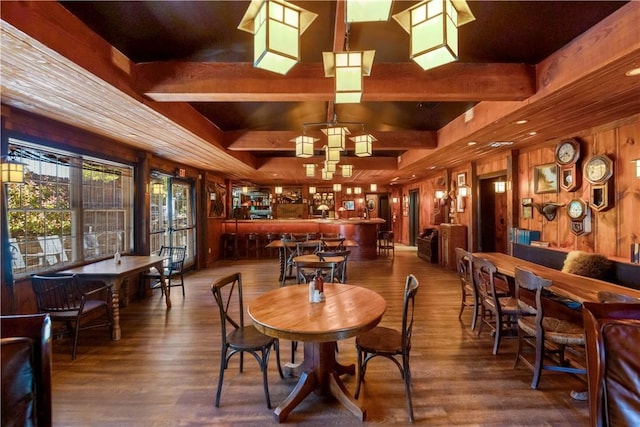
(414, 216)
(492, 220)
(384, 212)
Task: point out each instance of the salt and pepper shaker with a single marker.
(316, 288)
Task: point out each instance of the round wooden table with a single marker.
(346, 312)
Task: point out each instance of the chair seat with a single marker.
(68, 315)
(509, 305)
(555, 330)
(248, 337)
(381, 340)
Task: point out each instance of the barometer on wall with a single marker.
(598, 170)
(567, 157)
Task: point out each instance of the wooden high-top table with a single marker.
(347, 311)
(113, 274)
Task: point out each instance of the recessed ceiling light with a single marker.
(633, 72)
(533, 133)
(471, 143)
(521, 122)
(497, 144)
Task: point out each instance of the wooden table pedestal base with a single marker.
(321, 375)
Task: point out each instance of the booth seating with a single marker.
(26, 370)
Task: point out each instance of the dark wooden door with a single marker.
(493, 217)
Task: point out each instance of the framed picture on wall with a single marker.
(217, 199)
(545, 178)
(462, 179)
(349, 205)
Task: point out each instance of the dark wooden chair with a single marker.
(538, 330)
(75, 306)
(173, 268)
(26, 370)
(238, 338)
(467, 285)
(612, 333)
(332, 243)
(341, 266)
(306, 270)
(386, 243)
(391, 343)
(498, 310)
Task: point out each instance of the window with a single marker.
(70, 209)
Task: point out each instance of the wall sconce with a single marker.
(310, 169)
(364, 145)
(337, 187)
(637, 167)
(304, 145)
(277, 190)
(347, 170)
(433, 28)
(312, 190)
(357, 190)
(348, 69)
(373, 187)
(349, 190)
(440, 194)
(12, 170)
(463, 191)
(212, 195)
(500, 186)
(394, 200)
(276, 26)
(157, 188)
(461, 198)
(367, 10)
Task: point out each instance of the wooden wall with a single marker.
(612, 231)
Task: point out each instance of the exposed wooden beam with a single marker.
(241, 82)
(281, 140)
(278, 164)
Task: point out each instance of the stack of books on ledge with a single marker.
(525, 237)
(540, 243)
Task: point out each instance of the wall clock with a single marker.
(580, 215)
(567, 157)
(598, 170)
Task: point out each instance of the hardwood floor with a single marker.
(164, 370)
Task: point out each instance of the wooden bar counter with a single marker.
(362, 231)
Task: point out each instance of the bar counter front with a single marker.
(362, 231)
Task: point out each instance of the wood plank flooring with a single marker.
(164, 370)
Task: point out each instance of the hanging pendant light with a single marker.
(310, 169)
(332, 156)
(367, 10)
(12, 170)
(433, 28)
(363, 146)
(326, 175)
(335, 137)
(304, 146)
(347, 170)
(348, 69)
(337, 187)
(277, 26)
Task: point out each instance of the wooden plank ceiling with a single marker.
(135, 72)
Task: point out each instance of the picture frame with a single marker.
(217, 194)
(462, 179)
(349, 205)
(545, 178)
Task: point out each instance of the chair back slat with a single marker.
(56, 293)
(227, 292)
(410, 290)
(306, 270)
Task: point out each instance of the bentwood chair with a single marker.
(173, 268)
(612, 334)
(72, 305)
(341, 265)
(238, 338)
(391, 343)
(332, 243)
(467, 285)
(386, 243)
(498, 310)
(290, 251)
(548, 336)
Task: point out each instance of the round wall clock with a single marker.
(598, 169)
(576, 209)
(567, 152)
(580, 216)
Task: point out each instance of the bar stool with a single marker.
(229, 246)
(268, 238)
(252, 244)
